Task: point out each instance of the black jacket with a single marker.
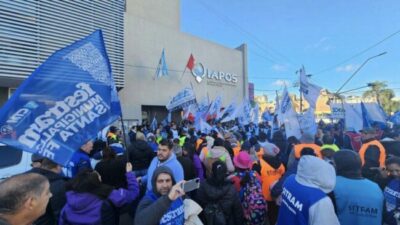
(189, 172)
(226, 196)
(140, 155)
(113, 171)
(57, 201)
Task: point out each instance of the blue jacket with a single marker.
(392, 199)
(80, 160)
(171, 163)
(296, 202)
(358, 201)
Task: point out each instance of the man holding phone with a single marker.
(163, 204)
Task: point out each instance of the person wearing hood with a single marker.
(217, 189)
(140, 155)
(91, 202)
(52, 171)
(304, 196)
(163, 203)
(165, 157)
(358, 200)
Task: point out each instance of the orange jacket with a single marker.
(269, 175)
(299, 147)
(382, 155)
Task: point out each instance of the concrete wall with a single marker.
(146, 34)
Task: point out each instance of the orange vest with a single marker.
(382, 155)
(198, 142)
(299, 147)
(268, 176)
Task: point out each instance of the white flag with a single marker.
(307, 122)
(289, 116)
(310, 91)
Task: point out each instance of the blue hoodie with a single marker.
(172, 163)
(86, 208)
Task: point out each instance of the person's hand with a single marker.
(128, 167)
(176, 191)
(139, 179)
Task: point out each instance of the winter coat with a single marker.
(58, 199)
(88, 209)
(226, 196)
(140, 155)
(112, 171)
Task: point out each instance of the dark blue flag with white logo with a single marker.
(63, 103)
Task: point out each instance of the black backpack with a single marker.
(214, 215)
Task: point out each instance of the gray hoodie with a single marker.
(316, 173)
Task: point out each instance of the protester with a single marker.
(190, 152)
(80, 159)
(218, 152)
(304, 199)
(392, 192)
(272, 170)
(373, 156)
(163, 203)
(151, 140)
(23, 198)
(112, 135)
(165, 157)
(218, 197)
(307, 141)
(189, 171)
(52, 171)
(36, 160)
(140, 155)
(358, 200)
(248, 183)
(352, 139)
(112, 169)
(91, 202)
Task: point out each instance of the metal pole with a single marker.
(358, 69)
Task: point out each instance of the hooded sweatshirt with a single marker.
(304, 199)
(155, 208)
(172, 163)
(86, 208)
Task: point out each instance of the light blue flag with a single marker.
(162, 69)
(153, 125)
(63, 103)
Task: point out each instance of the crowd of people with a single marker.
(251, 175)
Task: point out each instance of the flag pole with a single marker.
(124, 137)
(183, 73)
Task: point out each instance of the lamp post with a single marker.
(358, 69)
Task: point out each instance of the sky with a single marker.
(332, 39)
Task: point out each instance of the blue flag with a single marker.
(365, 117)
(63, 103)
(162, 69)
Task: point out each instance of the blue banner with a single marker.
(64, 103)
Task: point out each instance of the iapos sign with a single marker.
(200, 72)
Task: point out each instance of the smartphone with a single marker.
(191, 185)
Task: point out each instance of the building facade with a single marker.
(30, 31)
(135, 32)
(150, 27)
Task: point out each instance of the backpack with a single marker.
(213, 214)
(253, 202)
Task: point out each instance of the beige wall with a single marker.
(146, 34)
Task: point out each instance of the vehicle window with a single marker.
(9, 156)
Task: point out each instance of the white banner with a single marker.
(183, 99)
(337, 111)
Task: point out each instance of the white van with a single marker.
(13, 161)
